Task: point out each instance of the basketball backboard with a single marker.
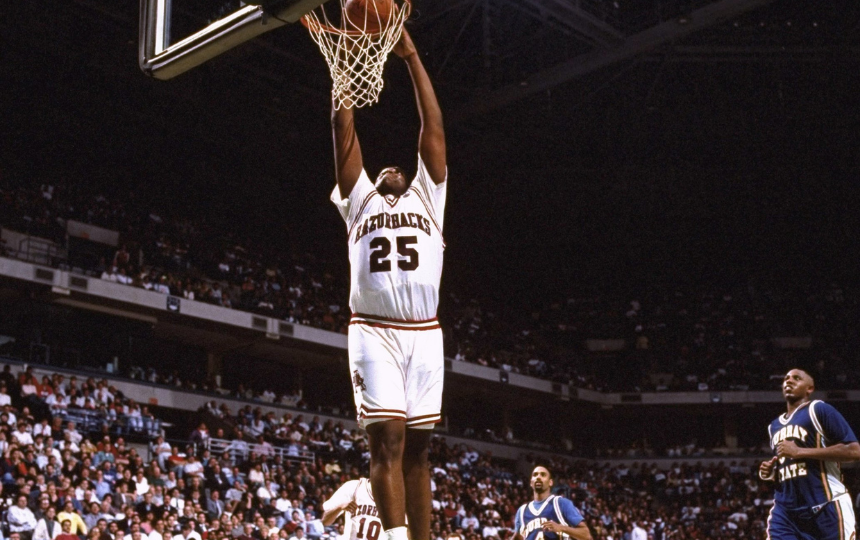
(177, 35)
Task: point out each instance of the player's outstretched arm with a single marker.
(431, 142)
(348, 162)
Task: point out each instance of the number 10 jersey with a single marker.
(364, 523)
(395, 252)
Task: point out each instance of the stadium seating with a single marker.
(667, 339)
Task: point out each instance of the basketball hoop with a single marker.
(356, 50)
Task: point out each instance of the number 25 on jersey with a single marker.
(407, 256)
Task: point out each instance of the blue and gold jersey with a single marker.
(803, 483)
(531, 517)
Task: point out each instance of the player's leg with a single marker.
(835, 521)
(378, 380)
(781, 526)
(425, 370)
(387, 440)
(416, 479)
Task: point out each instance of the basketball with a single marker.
(370, 16)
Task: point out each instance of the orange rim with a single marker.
(407, 4)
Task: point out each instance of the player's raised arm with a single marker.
(348, 162)
(431, 143)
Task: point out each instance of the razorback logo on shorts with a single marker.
(358, 380)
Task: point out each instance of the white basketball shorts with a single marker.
(396, 374)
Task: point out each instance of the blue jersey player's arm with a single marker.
(518, 524)
(841, 443)
(575, 528)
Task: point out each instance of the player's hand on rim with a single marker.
(404, 48)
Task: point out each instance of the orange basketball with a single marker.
(369, 16)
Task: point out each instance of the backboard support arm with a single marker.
(165, 62)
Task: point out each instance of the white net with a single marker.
(355, 57)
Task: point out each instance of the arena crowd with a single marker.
(58, 480)
(666, 339)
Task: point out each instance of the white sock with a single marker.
(397, 533)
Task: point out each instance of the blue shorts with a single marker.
(834, 521)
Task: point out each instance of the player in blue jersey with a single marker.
(809, 442)
(548, 517)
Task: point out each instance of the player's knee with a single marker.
(387, 441)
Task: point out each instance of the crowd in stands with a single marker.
(191, 259)
(58, 480)
(699, 341)
(664, 340)
(286, 397)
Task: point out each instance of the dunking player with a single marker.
(395, 343)
(549, 517)
(355, 498)
(809, 440)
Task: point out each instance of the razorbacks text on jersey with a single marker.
(803, 483)
(365, 523)
(530, 518)
(395, 252)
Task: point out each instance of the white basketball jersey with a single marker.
(365, 524)
(395, 252)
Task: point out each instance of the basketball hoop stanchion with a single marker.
(356, 50)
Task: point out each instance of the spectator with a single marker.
(78, 527)
(638, 533)
(248, 532)
(162, 451)
(315, 527)
(158, 530)
(66, 533)
(214, 505)
(200, 436)
(21, 435)
(187, 532)
(193, 468)
(72, 434)
(21, 519)
(47, 527)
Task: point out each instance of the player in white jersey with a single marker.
(395, 343)
(354, 499)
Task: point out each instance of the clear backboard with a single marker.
(177, 35)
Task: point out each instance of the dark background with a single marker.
(727, 156)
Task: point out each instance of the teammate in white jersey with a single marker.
(354, 499)
(395, 343)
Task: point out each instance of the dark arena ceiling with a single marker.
(590, 103)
